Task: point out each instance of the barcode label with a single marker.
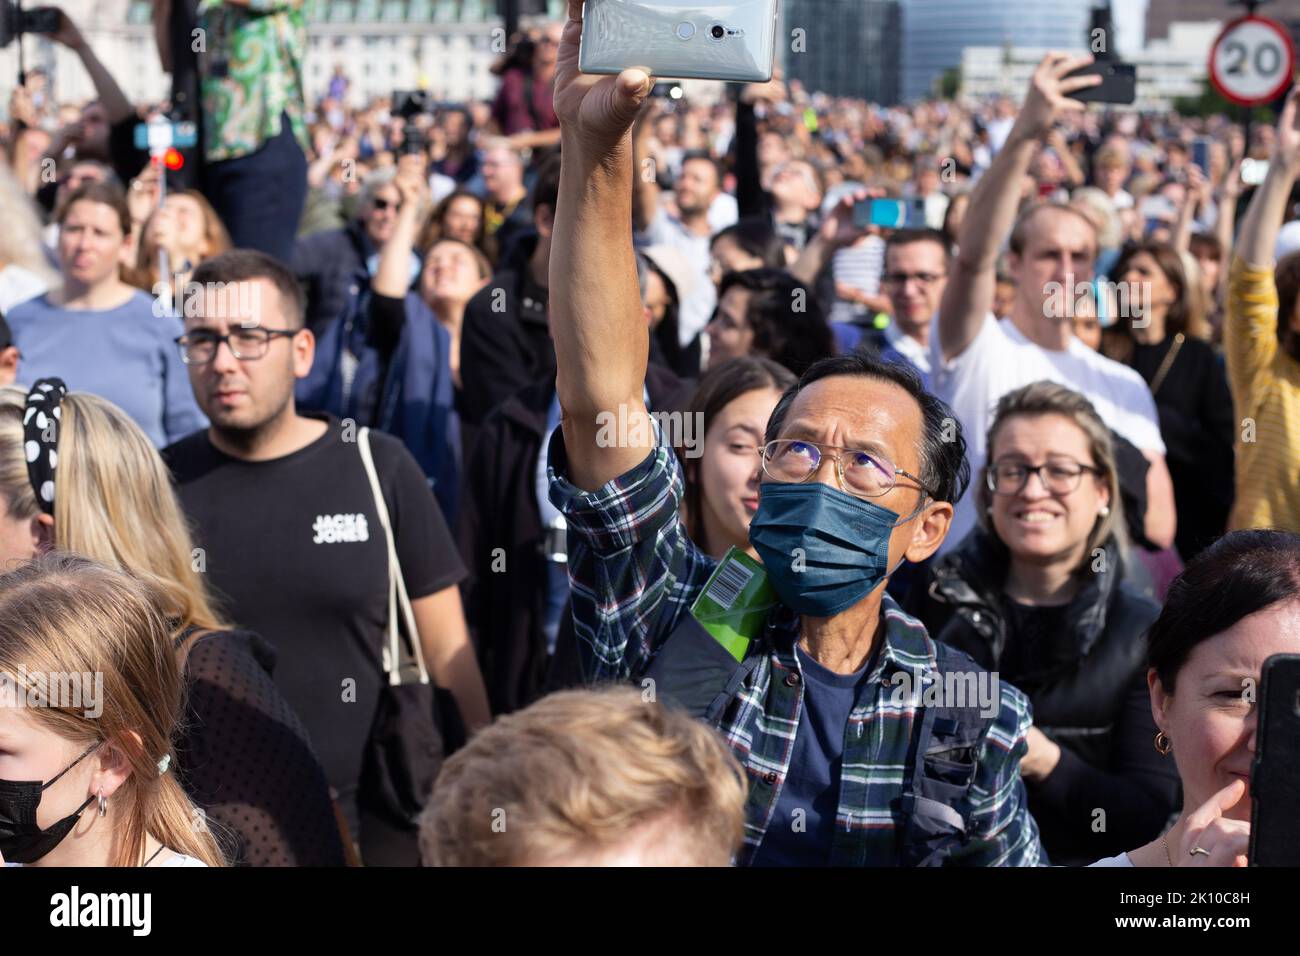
(731, 578)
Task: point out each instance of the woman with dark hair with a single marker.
(1236, 604)
(768, 313)
(748, 244)
(666, 279)
(730, 408)
(1165, 339)
(1039, 594)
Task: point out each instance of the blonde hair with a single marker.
(20, 239)
(1049, 398)
(114, 500)
(580, 772)
(65, 614)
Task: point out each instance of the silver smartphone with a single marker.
(691, 39)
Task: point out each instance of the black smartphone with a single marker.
(1118, 83)
(1275, 773)
(1201, 153)
(40, 20)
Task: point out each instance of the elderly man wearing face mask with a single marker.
(832, 656)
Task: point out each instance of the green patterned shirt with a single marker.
(251, 72)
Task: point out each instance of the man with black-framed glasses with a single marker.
(915, 276)
(289, 533)
(845, 766)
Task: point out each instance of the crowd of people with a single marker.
(306, 449)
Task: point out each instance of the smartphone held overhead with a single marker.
(1118, 83)
(889, 213)
(686, 39)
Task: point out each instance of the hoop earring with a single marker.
(1163, 744)
(103, 802)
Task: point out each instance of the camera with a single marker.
(408, 104)
(717, 31)
(15, 21)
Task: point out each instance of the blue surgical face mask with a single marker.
(823, 549)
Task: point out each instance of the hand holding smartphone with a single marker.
(1118, 83)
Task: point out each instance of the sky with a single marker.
(1130, 19)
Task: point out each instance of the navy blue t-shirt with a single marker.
(803, 824)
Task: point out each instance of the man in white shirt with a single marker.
(977, 359)
(1111, 170)
(688, 230)
(916, 274)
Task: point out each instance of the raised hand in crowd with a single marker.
(995, 200)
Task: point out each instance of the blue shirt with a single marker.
(127, 355)
(803, 824)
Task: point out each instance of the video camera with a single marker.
(408, 104)
(15, 21)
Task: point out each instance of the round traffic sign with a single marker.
(1252, 61)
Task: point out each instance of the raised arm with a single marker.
(116, 105)
(1226, 224)
(836, 232)
(993, 204)
(1258, 237)
(1250, 314)
(393, 277)
(597, 322)
(1197, 195)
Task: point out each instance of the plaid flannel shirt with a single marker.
(633, 573)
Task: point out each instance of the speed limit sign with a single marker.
(1252, 61)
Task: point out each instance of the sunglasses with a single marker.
(383, 204)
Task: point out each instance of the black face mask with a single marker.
(21, 838)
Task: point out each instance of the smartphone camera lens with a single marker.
(716, 31)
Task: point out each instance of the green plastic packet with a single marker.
(734, 603)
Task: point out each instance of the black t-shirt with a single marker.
(294, 550)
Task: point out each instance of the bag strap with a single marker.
(398, 599)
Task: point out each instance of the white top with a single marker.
(1000, 360)
(18, 285)
(697, 308)
(1121, 860)
(1122, 200)
(860, 265)
(908, 347)
(724, 211)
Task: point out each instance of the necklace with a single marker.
(1164, 841)
(161, 848)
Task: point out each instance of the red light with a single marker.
(173, 159)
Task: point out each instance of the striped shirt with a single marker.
(860, 265)
(633, 574)
(1265, 383)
